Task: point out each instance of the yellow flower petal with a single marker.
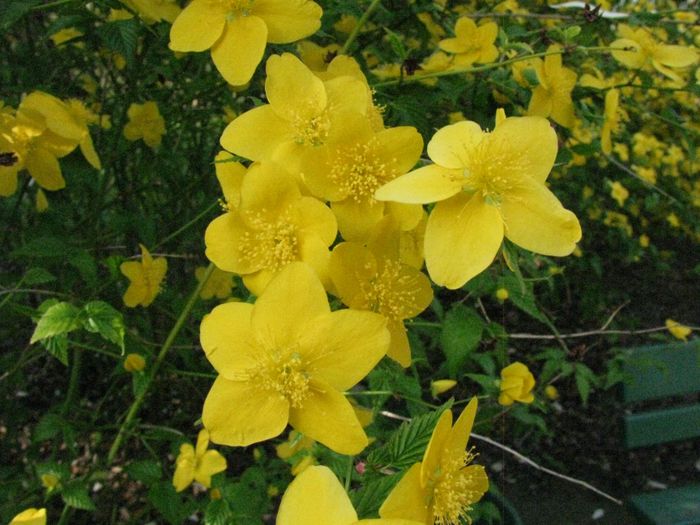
(230, 176)
(198, 27)
(535, 220)
(452, 145)
(288, 20)
(328, 417)
(291, 303)
(292, 89)
(45, 170)
(316, 497)
(237, 413)
(433, 452)
(629, 53)
(459, 435)
(399, 348)
(88, 150)
(462, 238)
(257, 133)
(222, 240)
(228, 339)
(407, 499)
(240, 49)
(208, 464)
(184, 467)
(30, 516)
(356, 220)
(424, 185)
(675, 56)
(338, 356)
(524, 146)
(401, 146)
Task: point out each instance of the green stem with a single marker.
(348, 474)
(186, 226)
(73, 381)
(65, 515)
(136, 405)
(487, 67)
(360, 24)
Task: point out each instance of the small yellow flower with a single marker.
(502, 294)
(441, 386)
(551, 392)
(644, 240)
(552, 97)
(30, 517)
(145, 278)
(134, 363)
(619, 193)
(145, 122)
(50, 481)
(441, 488)
(472, 44)
(678, 330)
(197, 464)
(673, 220)
(517, 383)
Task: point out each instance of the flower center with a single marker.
(233, 8)
(359, 171)
(269, 245)
(283, 373)
(453, 492)
(391, 293)
(310, 131)
(485, 171)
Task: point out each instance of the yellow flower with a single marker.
(551, 392)
(489, 185)
(442, 487)
(384, 285)
(619, 193)
(638, 48)
(50, 481)
(273, 226)
(302, 114)
(144, 277)
(552, 97)
(287, 359)
(219, 284)
(472, 44)
(517, 383)
(237, 31)
(145, 122)
(502, 294)
(197, 464)
(316, 497)
(678, 330)
(612, 120)
(441, 386)
(644, 240)
(134, 363)
(348, 170)
(30, 517)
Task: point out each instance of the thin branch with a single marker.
(638, 177)
(539, 467)
(594, 332)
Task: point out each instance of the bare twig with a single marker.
(594, 332)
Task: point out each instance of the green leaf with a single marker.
(103, 319)
(60, 318)
(522, 295)
(76, 495)
(146, 471)
(121, 36)
(531, 76)
(461, 334)
(37, 276)
(218, 513)
(368, 498)
(82, 261)
(585, 380)
(47, 427)
(168, 502)
(407, 444)
(12, 10)
(57, 346)
(50, 247)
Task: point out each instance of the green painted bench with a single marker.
(653, 373)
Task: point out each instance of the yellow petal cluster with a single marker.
(552, 97)
(145, 278)
(517, 383)
(237, 31)
(145, 122)
(197, 463)
(287, 359)
(441, 488)
(472, 44)
(678, 330)
(488, 185)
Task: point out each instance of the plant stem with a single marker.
(65, 515)
(186, 226)
(73, 381)
(136, 405)
(360, 24)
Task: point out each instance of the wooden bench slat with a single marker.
(661, 371)
(676, 506)
(661, 426)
